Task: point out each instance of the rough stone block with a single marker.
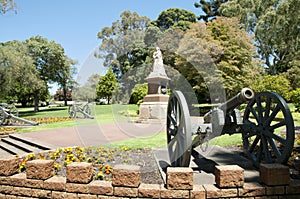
(6, 189)
(22, 191)
(229, 176)
(4, 180)
(180, 178)
(171, 193)
(21, 180)
(149, 191)
(79, 172)
(274, 174)
(126, 192)
(213, 191)
(40, 169)
(198, 192)
(100, 187)
(87, 196)
(55, 183)
(77, 188)
(126, 175)
(39, 193)
(9, 166)
(294, 187)
(275, 190)
(252, 189)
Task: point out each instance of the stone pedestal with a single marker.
(155, 104)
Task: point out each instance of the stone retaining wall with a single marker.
(39, 182)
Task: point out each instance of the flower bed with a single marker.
(103, 160)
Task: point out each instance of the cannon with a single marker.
(85, 110)
(266, 126)
(9, 113)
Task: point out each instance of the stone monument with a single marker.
(154, 106)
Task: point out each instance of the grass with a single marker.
(113, 113)
(102, 113)
(156, 140)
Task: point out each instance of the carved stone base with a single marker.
(156, 98)
(153, 111)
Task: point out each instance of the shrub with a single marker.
(138, 93)
(273, 83)
(295, 98)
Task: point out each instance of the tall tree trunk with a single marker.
(36, 101)
(65, 96)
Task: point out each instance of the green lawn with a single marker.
(102, 114)
(112, 113)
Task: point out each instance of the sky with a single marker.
(75, 24)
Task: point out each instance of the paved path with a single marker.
(94, 135)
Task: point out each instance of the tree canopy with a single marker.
(174, 18)
(275, 25)
(217, 53)
(107, 85)
(210, 8)
(28, 66)
(122, 45)
(7, 5)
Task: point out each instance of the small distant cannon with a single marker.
(85, 110)
(267, 127)
(9, 112)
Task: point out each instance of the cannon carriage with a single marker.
(266, 126)
(9, 114)
(85, 110)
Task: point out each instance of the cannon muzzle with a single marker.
(217, 114)
(245, 95)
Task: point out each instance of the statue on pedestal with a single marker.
(158, 65)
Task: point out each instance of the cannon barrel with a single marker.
(216, 115)
(245, 95)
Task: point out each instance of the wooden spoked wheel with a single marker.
(179, 135)
(86, 108)
(270, 135)
(2, 115)
(72, 111)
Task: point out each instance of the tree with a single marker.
(64, 78)
(138, 93)
(293, 75)
(275, 24)
(210, 8)
(123, 46)
(214, 54)
(273, 83)
(88, 90)
(20, 77)
(50, 61)
(174, 18)
(7, 5)
(107, 85)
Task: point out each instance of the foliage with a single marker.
(88, 90)
(138, 93)
(122, 45)
(19, 76)
(7, 5)
(50, 61)
(27, 68)
(174, 18)
(216, 54)
(293, 74)
(276, 29)
(210, 8)
(273, 83)
(295, 98)
(107, 85)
